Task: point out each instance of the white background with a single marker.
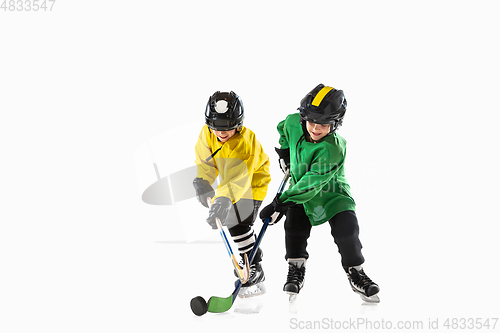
(84, 87)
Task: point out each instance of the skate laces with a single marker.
(253, 270)
(359, 278)
(295, 274)
(255, 275)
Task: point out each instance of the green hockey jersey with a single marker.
(317, 172)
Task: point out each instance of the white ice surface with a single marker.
(86, 86)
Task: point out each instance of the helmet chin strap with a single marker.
(337, 124)
(333, 128)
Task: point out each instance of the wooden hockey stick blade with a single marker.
(243, 273)
(246, 269)
(220, 304)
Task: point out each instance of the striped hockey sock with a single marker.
(245, 242)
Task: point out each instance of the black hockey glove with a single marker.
(203, 190)
(275, 207)
(220, 209)
(284, 160)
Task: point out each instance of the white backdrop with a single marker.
(86, 86)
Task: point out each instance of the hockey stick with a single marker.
(220, 304)
(243, 273)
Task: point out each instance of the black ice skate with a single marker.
(255, 284)
(362, 285)
(295, 277)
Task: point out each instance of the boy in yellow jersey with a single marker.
(228, 150)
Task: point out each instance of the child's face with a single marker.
(223, 136)
(317, 131)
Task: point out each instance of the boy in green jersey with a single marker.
(314, 154)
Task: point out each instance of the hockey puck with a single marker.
(199, 306)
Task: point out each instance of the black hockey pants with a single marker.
(344, 229)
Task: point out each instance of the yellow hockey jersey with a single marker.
(241, 163)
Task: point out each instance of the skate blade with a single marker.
(292, 297)
(371, 299)
(255, 290)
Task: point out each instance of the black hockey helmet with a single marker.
(224, 111)
(323, 105)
